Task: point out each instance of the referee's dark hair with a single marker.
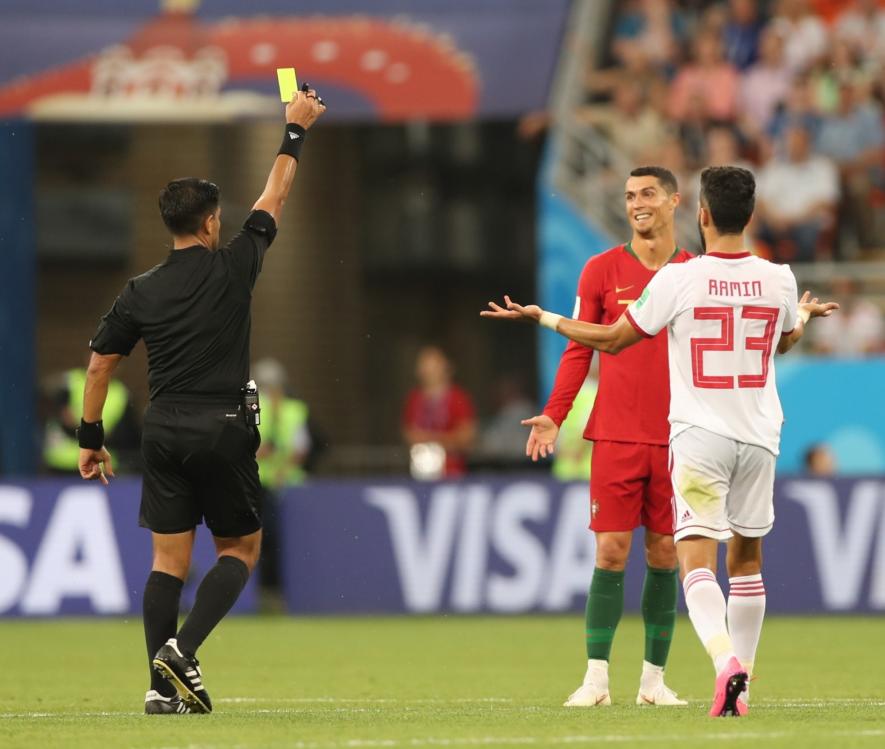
(185, 204)
(664, 176)
(729, 193)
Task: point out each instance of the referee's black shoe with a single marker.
(184, 673)
(156, 704)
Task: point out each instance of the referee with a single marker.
(199, 443)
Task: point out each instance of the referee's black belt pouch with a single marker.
(251, 404)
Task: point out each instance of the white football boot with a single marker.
(594, 691)
(653, 691)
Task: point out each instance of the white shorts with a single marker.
(720, 486)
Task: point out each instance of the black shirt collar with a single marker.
(185, 252)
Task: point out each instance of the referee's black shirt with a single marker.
(193, 311)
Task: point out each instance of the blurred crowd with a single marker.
(792, 89)
(446, 439)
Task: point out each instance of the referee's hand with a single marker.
(305, 108)
(95, 464)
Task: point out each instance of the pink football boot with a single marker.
(729, 684)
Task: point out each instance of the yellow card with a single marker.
(288, 83)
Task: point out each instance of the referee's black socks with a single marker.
(160, 611)
(216, 595)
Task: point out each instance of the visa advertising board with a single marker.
(501, 546)
(72, 547)
(516, 546)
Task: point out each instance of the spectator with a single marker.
(651, 30)
(631, 123)
(439, 413)
(819, 461)
(798, 109)
(741, 34)
(862, 25)
(853, 137)
(804, 34)
(286, 442)
(796, 198)
(670, 154)
(286, 445)
(64, 396)
(764, 86)
(571, 460)
(842, 64)
(503, 439)
(601, 84)
(709, 78)
(722, 149)
(858, 329)
(693, 131)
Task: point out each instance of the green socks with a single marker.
(605, 603)
(658, 612)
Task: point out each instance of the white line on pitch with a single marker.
(773, 703)
(761, 702)
(368, 700)
(75, 714)
(822, 701)
(741, 736)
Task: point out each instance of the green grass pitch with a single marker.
(362, 683)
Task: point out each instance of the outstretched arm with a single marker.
(95, 460)
(301, 113)
(808, 308)
(608, 338)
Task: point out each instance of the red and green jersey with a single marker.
(634, 386)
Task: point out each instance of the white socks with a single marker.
(706, 609)
(597, 673)
(746, 610)
(652, 675)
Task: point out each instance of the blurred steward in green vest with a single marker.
(285, 436)
(61, 450)
(286, 448)
(571, 461)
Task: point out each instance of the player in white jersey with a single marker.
(726, 313)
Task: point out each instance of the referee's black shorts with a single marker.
(199, 462)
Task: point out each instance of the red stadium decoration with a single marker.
(401, 70)
(830, 9)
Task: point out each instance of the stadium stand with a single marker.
(791, 89)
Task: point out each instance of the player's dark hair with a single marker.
(185, 203)
(664, 176)
(729, 193)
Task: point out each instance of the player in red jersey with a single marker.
(725, 415)
(629, 477)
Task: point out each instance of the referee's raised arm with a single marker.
(304, 109)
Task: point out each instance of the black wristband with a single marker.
(91, 436)
(293, 140)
